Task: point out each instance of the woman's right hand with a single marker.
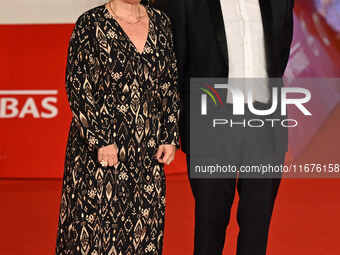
(108, 154)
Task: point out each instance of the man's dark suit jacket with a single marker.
(202, 51)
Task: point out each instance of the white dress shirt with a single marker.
(246, 46)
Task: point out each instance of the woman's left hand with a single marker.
(166, 153)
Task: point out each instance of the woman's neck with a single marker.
(125, 9)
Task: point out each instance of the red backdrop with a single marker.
(34, 122)
(34, 59)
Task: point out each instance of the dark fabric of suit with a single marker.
(202, 51)
(214, 197)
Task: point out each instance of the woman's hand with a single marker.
(166, 153)
(108, 154)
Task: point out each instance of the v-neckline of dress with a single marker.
(126, 35)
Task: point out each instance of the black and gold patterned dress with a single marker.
(117, 96)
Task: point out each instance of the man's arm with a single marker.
(177, 14)
(288, 39)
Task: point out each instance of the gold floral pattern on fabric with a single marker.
(117, 96)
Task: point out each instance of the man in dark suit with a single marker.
(221, 38)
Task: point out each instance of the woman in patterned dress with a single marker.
(121, 83)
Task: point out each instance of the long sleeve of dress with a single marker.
(170, 97)
(82, 73)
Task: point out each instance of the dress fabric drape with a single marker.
(120, 96)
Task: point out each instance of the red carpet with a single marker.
(305, 219)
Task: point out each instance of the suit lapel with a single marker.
(267, 21)
(217, 20)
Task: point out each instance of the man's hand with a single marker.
(166, 154)
(108, 154)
